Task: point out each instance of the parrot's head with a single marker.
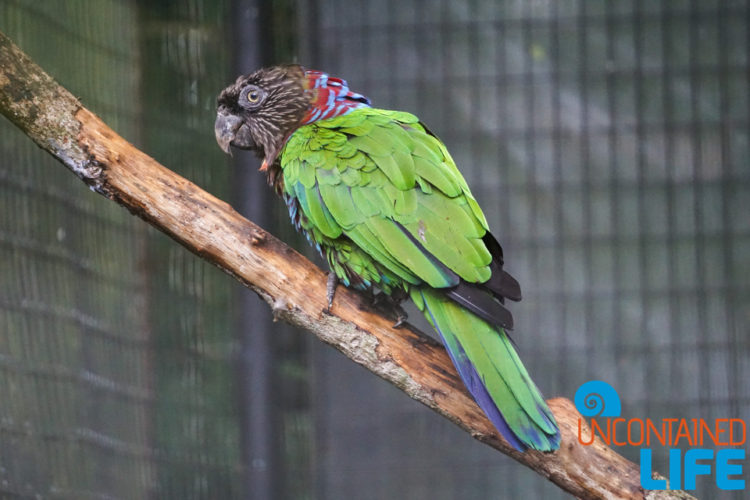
(259, 111)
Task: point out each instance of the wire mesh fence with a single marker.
(606, 141)
(116, 353)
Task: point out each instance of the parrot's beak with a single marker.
(230, 130)
(225, 128)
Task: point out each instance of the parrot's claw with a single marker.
(401, 315)
(392, 302)
(331, 285)
(401, 318)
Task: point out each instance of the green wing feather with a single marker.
(388, 206)
(377, 189)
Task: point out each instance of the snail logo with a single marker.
(598, 399)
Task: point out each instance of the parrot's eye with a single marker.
(251, 97)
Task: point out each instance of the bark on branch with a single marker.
(293, 286)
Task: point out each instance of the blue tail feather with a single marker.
(534, 425)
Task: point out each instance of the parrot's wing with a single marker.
(380, 179)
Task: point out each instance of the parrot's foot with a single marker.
(401, 317)
(333, 282)
(393, 302)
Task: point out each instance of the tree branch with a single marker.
(292, 285)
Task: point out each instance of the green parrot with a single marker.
(381, 199)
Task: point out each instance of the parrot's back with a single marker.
(382, 199)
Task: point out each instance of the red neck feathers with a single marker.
(331, 97)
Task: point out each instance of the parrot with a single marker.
(380, 198)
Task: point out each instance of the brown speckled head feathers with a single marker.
(259, 111)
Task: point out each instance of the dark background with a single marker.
(606, 141)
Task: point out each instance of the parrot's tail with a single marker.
(493, 373)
